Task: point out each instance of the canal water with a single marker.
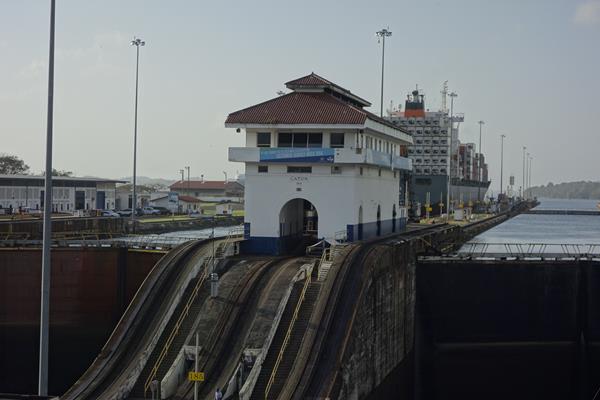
(547, 229)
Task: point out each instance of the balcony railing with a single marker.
(318, 155)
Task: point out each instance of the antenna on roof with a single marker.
(444, 93)
(280, 93)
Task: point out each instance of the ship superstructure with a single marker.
(438, 156)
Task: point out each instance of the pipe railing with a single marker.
(288, 334)
(185, 311)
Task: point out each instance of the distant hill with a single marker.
(156, 183)
(568, 190)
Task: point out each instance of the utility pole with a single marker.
(452, 96)
(524, 185)
(137, 42)
(381, 35)
(479, 164)
(188, 180)
(501, 161)
(47, 235)
(529, 180)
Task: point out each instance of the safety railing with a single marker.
(193, 295)
(288, 334)
(484, 249)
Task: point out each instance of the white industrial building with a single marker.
(68, 193)
(317, 163)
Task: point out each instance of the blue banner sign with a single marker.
(317, 155)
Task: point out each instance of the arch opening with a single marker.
(298, 224)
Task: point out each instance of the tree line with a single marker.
(13, 165)
(567, 190)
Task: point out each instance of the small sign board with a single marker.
(194, 376)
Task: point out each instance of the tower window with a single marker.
(336, 140)
(263, 139)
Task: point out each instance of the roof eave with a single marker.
(292, 126)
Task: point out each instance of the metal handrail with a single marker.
(533, 249)
(183, 315)
(288, 334)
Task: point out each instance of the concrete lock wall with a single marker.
(90, 289)
(379, 358)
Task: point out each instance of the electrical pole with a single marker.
(452, 96)
(188, 180)
(382, 34)
(479, 164)
(47, 235)
(523, 184)
(529, 180)
(137, 42)
(501, 162)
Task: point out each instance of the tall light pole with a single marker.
(529, 179)
(137, 42)
(481, 123)
(527, 173)
(523, 182)
(381, 35)
(451, 127)
(501, 161)
(47, 235)
(188, 181)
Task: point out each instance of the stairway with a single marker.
(137, 392)
(294, 342)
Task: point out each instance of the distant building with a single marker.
(125, 196)
(210, 190)
(189, 204)
(318, 165)
(68, 193)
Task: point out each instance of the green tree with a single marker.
(12, 165)
(61, 172)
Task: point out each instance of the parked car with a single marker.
(150, 211)
(125, 213)
(163, 210)
(110, 213)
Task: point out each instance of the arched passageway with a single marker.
(298, 224)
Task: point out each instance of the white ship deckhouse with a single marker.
(319, 166)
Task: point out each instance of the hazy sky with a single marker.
(528, 68)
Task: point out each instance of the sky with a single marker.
(528, 68)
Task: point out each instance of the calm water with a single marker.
(550, 229)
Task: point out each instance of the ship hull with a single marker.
(436, 185)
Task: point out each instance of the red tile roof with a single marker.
(300, 108)
(313, 81)
(189, 199)
(309, 80)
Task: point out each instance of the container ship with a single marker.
(438, 156)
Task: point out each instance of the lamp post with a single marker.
(527, 173)
(501, 161)
(47, 235)
(452, 96)
(481, 123)
(523, 182)
(382, 34)
(529, 179)
(188, 180)
(137, 42)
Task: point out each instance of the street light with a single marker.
(381, 35)
(47, 233)
(452, 96)
(501, 161)
(529, 179)
(137, 42)
(481, 123)
(523, 184)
